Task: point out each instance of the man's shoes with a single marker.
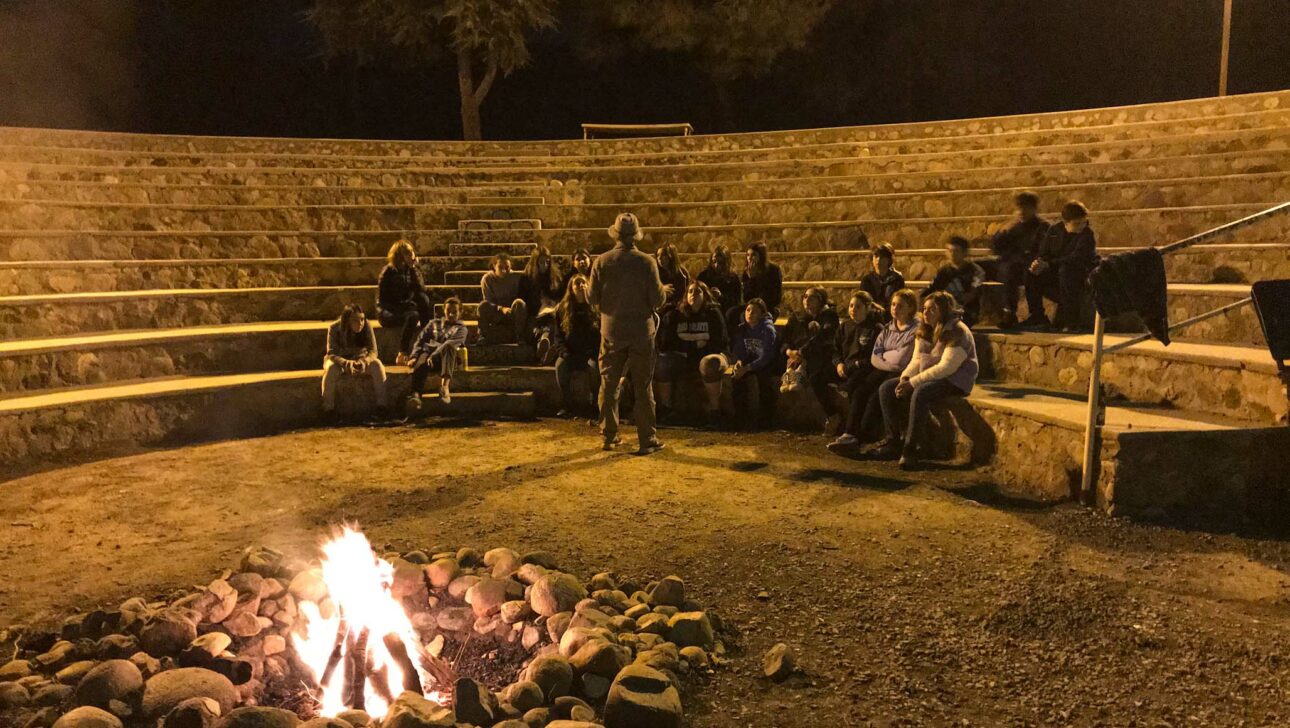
(650, 448)
(889, 450)
(445, 392)
(611, 443)
(412, 407)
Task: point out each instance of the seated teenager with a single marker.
(401, 300)
(723, 282)
(753, 354)
(762, 279)
(503, 314)
(671, 273)
(961, 278)
(944, 365)
(892, 348)
(1015, 248)
(351, 351)
(576, 345)
(692, 342)
(541, 291)
(1067, 255)
(808, 346)
(581, 262)
(883, 279)
(436, 352)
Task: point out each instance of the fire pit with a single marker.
(415, 640)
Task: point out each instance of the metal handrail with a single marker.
(1095, 406)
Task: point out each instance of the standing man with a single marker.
(626, 287)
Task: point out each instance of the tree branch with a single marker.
(486, 84)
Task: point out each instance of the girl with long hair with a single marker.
(576, 344)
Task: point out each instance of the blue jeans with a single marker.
(907, 417)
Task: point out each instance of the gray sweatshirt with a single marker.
(500, 290)
(626, 287)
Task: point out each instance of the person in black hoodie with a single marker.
(762, 279)
(754, 358)
(722, 280)
(576, 345)
(1015, 247)
(961, 278)
(689, 334)
(1067, 255)
(884, 280)
(541, 291)
(671, 273)
(401, 300)
(852, 347)
(808, 345)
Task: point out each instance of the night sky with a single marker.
(254, 67)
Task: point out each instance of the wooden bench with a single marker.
(590, 131)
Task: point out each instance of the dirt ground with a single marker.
(912, 600)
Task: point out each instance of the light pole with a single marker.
(1227, 47)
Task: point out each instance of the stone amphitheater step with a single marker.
(1106, 151)
(76, 276)
(55, 215)
(51, 427)
(1262, 119)
(164, 193)
(1115, 228)
(1173, 110)
(23, 317)
(505, 200)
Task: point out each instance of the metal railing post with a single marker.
(1088, 478)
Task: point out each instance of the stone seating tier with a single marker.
(1255, 120)
(369, 191)
(1175, 110)
(1267, 187)
(1106, 151)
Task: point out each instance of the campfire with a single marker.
(369, 640)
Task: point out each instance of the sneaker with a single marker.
(544, 350)
(888, 450)
(564, 414)
(412, 407)
(611, 443)
(845, 441)
(908, 462)
(401, 359)
(650, 448)
(445, 393)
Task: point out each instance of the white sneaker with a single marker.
(444, 394)
(844, 440)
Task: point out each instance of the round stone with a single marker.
(642, 697)
(165, 690)
(556, 592)
(88, 716)
(552, 673)
(111, 680)
(258, 717)
(193, 713)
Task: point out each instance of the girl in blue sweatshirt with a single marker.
(754, 351)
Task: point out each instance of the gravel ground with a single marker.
(912, 600)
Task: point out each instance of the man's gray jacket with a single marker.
(626, 287)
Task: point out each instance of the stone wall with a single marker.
(98, 276)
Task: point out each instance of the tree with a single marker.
(485, 38)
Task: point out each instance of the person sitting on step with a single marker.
(754, 355)
(541, 292)
(691, 340)
(351, 351)
(401, 300)
(673, 274)
(808, 348)
(723, 282)
(1015, 248)
(1067, 254)
(883, 279)
(944, 365)
(581, 266)
(761, 279)
(961, 278)
(436, 352)
(892, 349)
(576, 346)
(503, 314)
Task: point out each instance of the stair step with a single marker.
(499, 225)
(506, 200)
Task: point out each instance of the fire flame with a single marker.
(358, 583)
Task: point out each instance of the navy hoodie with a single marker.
(755, 346)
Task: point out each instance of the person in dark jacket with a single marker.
(762, 279)
(961, 278)
(351, 351)
(1066, 256)
(883, 280)
(581, 266)
(1015, 247)
(808, 345)
(754, 353)
(436, 352)
(673, 274)
(691, 334)
(576, 345)
(401, 300)
(853, 343)
(541, 291)
(723, 282)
